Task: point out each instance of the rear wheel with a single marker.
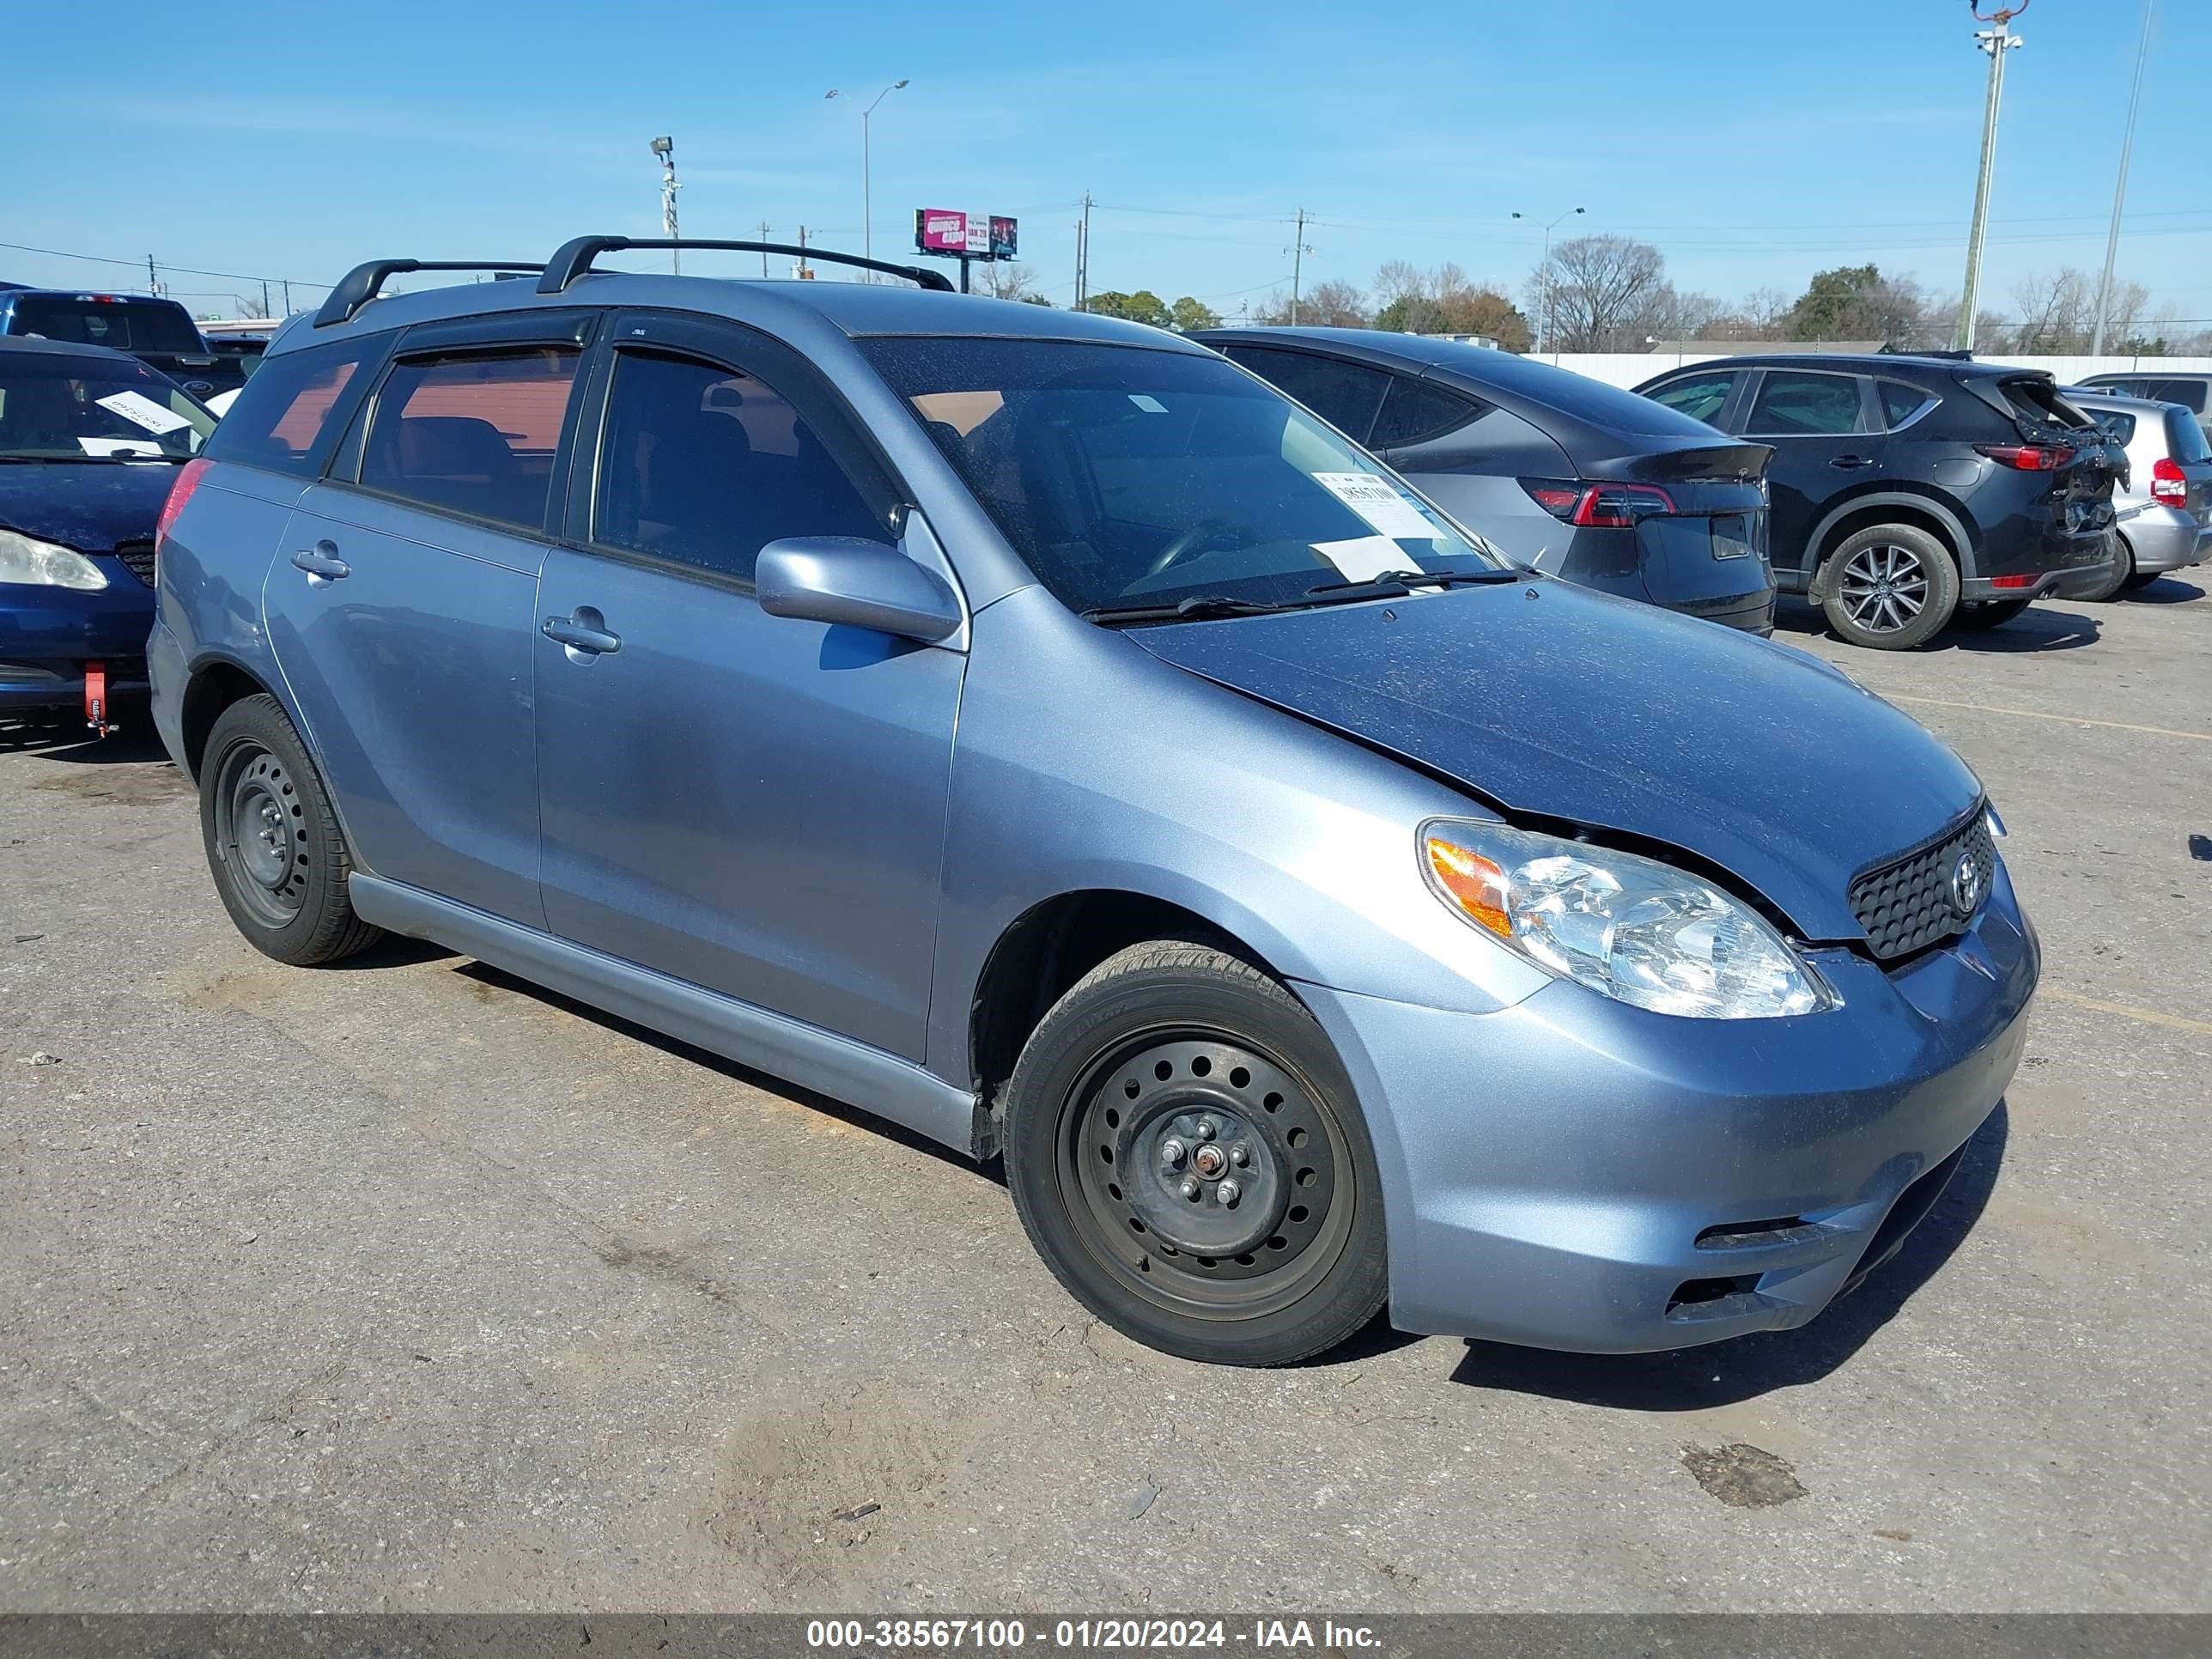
(1185, 1153)
(1994, 615)
(274, 846)
(1891, 588)
(2115, 578)
(2138, 579)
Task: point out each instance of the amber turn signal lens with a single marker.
(1475, 884)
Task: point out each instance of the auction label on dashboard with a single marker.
(988, 1636)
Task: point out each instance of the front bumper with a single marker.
(47, 635)
(1572, 1173)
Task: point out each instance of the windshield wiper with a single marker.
(1197, 607)
(1396, 583)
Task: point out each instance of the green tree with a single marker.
(1187, 313)
(1142, 306)
(1857, 302)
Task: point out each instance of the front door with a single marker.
(402, 609)
(750, 803)
(1826, 443)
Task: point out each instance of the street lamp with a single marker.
(1546, 260)
(867, 240)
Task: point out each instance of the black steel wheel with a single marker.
(279, 860)
(1185, 1153)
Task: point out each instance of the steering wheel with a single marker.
(1196, 539)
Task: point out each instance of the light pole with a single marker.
(664, 148)
(2120, 186)
(1545, 323)
(867, 239)
(1996, 41)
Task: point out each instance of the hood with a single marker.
(90, 507)
(1553, 701)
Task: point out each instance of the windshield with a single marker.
(124, 325)
(1125, 475)
(64, 406)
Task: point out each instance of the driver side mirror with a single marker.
(848, 581)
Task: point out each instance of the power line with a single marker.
(188, 271)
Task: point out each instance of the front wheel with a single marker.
(1891, 588)
(1185, 1153)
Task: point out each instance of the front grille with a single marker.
(138, 558)
(1908, 903)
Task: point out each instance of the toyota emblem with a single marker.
(1966, 885)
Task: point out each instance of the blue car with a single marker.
(1036, 730)
(90, 441)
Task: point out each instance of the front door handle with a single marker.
(322, 563)
(1852, 460)
(585, 632)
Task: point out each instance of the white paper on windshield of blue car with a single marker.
(1362, 559)
(141, 411)
(1377, 501)
(126, 447)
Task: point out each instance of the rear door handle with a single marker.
(1852, 460)
(584, 631)
(322, 563)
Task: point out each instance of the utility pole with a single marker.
(288, 296)
(1083, 257)
(1297, 250)
(664, 148)
(264, 296)
(153, 282)
(763, 231)
(803, 271)
(2120, 186)
(1996, 41)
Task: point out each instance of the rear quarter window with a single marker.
(1900, 402)
(281, 416)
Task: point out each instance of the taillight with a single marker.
(2168, 483)
(188, 479)
(2028, 458)
(1598, 505)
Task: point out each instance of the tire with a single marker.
(279, 859)
(2138, 579)
(1995, 614)
(1891, 587)
(1174, 1066)
(2124, 567)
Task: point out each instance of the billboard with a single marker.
(968, 235)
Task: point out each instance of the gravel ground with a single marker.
(410, 1286)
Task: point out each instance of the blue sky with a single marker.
(1754, 141)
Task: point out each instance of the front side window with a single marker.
(1128, 475)
(1701, 397)
(471, 432)
(706, 466)
(86, 406)
(1791, 404)
(1345, 395)
(283, 413)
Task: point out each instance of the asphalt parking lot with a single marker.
(407, 1285)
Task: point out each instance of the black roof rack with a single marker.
(574, 257)
(363, 283)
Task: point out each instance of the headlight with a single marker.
(1631, 928)
(43, 565)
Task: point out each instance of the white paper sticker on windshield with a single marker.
(1362, 559)
(1377, 501)
(145, 447)
(141, 411)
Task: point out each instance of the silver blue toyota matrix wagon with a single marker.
(1039, 731)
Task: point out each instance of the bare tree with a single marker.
(1331, 304)
(1600, 293)
(1002, 279)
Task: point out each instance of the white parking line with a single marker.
(2036, 714)
(2126, 1010)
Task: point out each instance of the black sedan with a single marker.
(1578, 479)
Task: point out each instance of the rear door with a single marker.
(402, 608)
(753, 804)
(1827, 442)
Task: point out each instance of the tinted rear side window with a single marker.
(124, 325)
(708, 465)
(471, 432)
(1793, 404)
(281, 417)
(2122, 427)
(1415, 411)
(2186, 438)
(1345, 395)
(1701, 397)
(2189, 394)
(1900, 402)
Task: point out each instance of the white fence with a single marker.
(1628, 369)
